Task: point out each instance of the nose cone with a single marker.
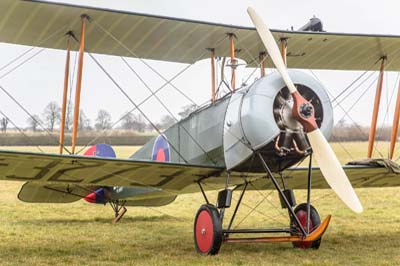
(91, 198)
(96, 197)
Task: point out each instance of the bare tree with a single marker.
(166, 121)
(68, 116)
(33, 122)
(103, 120)
(187, 110)
(4, 124)
(84, 121)
(134, 122)
(51, 115)
(127, 121)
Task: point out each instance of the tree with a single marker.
(51, 115)
(166, 121)
(187, 110)
(33, 122)
(134, 122)
(103, 120)
(4, 124)
(84, 121)
(68, 116)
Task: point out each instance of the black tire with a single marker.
(207, 218)
(315, 221)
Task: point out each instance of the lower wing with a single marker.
(65, 178)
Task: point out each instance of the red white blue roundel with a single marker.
(161, 152)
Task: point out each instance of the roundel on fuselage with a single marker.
(161, 152)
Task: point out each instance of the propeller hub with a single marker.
(303, 111)
(306, 110)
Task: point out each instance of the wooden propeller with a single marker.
(303, 111)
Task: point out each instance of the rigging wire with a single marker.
(21, 131)
(168, 82)
(388, 103)
(139, 104)
(22, 63)
(354, 81)
(135, 105)
(372, 73)
(348, 115)
(31, 49)
(143, 61)
(71, 84)
(168, 110)
(32, 117)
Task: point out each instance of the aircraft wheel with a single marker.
(315, 221)
(207, 230)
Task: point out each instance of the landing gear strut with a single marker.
(305, 230)
(119, 210)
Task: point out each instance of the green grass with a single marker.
(82, 233)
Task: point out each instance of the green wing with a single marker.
(181, 40)
(92, 171)
(365, 173)
(72, 177)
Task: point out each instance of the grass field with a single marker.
(82, 233)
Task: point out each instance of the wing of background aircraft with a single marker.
(146, 36)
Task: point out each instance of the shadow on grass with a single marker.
(101, 220)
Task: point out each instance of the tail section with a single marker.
(161, 151)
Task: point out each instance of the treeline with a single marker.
(130, 124)
(50, 120)
(354, 132)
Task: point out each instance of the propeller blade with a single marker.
(332, 170)
(272, 48)
(329, 164)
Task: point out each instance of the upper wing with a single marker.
(42, 23)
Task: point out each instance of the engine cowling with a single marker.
(259, 117)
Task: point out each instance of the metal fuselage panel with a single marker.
(227, 133)
(197, 139)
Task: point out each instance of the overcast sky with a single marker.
(40, 81)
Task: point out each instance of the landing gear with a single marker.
(313, 222)
(119, 210)
(207, 230)
(305, 230)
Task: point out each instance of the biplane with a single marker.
(255, 134)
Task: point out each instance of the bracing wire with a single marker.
(20, 130)
(167, 109)
(168, 82)
(143, 61)
(18, 66)
(32, 117)
(135, 105)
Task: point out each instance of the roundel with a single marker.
(161, 151)
(101, 150)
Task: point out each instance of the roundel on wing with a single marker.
(161, 151)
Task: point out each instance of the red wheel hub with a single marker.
(204, 231)
(302, 216)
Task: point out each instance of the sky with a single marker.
(40, 81)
